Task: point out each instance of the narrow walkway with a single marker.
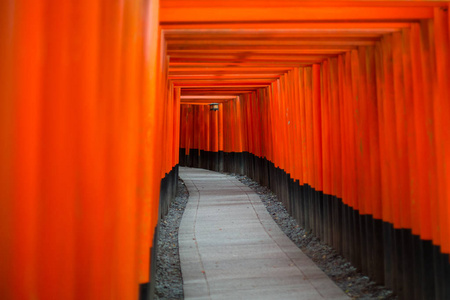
(230, 248)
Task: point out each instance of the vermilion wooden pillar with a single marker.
(80, 166)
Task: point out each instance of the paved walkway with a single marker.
(230, 248)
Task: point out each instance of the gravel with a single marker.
(169, 283)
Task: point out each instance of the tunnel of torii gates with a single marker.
(341, 107)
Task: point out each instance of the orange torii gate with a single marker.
(341, 107)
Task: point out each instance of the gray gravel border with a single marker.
(169, 282)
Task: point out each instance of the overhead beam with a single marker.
(305, 3)
(286, 26)
(290, 14)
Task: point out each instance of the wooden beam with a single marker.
(290, 14)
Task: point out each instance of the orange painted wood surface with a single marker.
(348, 108)
(81, 187)
(96, 98)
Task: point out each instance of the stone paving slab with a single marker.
(230, 248)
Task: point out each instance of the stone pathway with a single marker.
(230, 248)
